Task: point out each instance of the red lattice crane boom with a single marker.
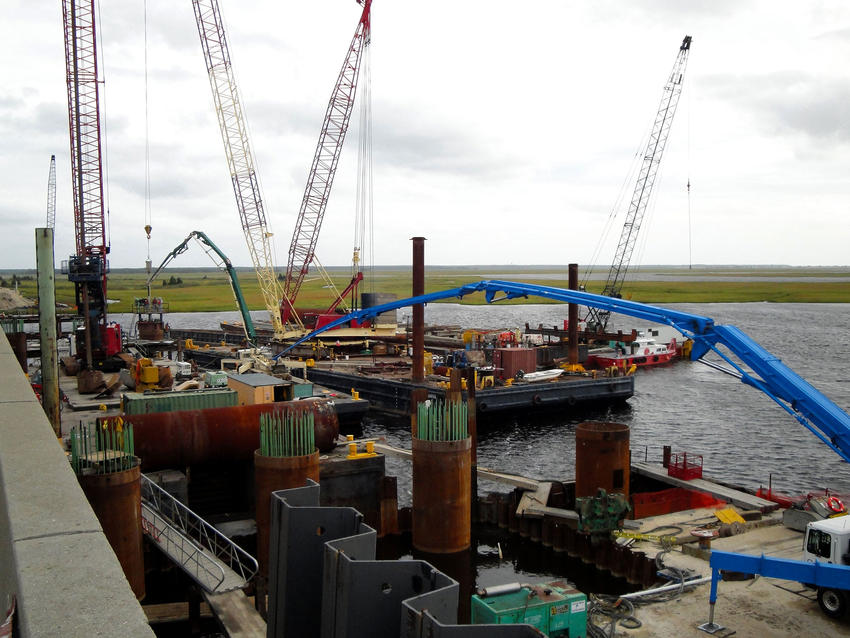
(88, 267)
(325, 161)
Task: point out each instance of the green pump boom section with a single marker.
(766, 372)
(225, 265)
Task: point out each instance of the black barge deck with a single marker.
(393, 395)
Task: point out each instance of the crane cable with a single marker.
(147, 203)
(617, 207)
(690, 246)
(364, 225)
(104, 136)
(646, 224)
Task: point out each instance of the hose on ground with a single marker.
(617, 611)
(620, 611)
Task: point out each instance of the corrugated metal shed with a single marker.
(509, 361)
(148, 403)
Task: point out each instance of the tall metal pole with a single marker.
(572, 318)
(418, 364)
(472, 427)
(47, 327)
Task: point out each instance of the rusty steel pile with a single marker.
(442, 473)
(110, 476)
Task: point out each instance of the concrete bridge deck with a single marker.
(54, 557)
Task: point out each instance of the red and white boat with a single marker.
(643, 351)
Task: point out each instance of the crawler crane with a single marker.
(87, 268)
(240, 158)
(643, 187)
(322, 171)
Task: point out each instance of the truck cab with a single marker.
(828, 541)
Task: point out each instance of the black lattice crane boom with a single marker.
(646, 180)
(323, 169)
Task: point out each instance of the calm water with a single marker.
(743, 435)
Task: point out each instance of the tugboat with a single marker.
(643, 351)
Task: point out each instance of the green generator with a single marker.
(556, 609)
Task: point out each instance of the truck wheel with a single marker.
(833, 602)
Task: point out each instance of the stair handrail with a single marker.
(191, 525)
(190, 555)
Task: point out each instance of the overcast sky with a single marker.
(503, 131)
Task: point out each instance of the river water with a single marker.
(743, 435)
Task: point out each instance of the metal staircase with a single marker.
(211, 559)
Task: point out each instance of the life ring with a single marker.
(646, 351)
(834, 503)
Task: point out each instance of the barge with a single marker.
(394, 395)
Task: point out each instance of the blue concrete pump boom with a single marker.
(767, 373)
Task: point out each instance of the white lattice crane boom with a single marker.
(51, 194)
(240, 159)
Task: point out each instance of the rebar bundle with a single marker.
(439, 420)
(102, 449)
(287, 435)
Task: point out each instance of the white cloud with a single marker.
(502, 132)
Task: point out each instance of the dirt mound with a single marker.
(10, 299)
